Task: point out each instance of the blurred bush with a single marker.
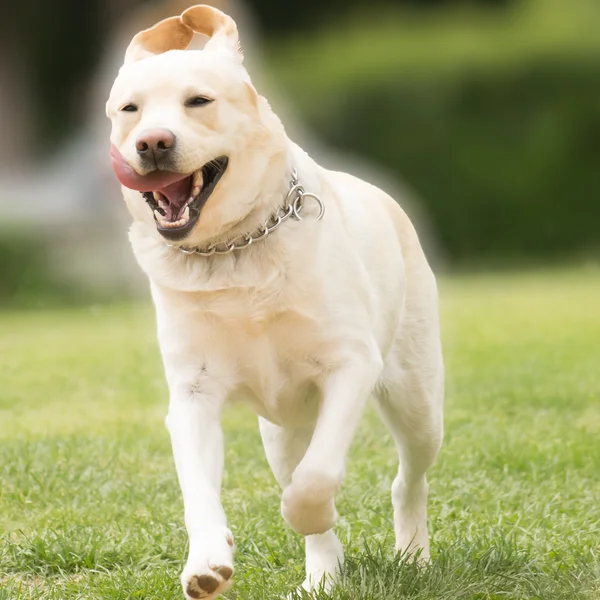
(281, 18)
(64, 265)
(28, 277)
(493, 118)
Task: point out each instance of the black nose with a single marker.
(155, 142)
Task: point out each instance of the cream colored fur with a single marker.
(305, 326)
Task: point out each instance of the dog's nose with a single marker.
(157, 142)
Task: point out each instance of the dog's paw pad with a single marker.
(224, 571)
(204, 586)
(201, 586)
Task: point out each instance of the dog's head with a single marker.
(192, 141)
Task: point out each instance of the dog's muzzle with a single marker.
(176, 199)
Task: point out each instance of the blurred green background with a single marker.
(487, 111)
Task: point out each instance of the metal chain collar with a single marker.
(292, 207)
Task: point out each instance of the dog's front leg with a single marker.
(308, 502)
(194, 423)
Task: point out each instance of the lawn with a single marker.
(90, 507)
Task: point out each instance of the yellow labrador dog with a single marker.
(301, 291)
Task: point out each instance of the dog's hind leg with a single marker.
(410, 401)
(285, 448)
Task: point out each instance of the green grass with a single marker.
(89, 503)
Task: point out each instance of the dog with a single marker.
(300, 291)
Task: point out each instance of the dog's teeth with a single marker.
(197, 182)
(195, 192)
(165, 224)
(173, 224)
(160, 199)
(184, 215)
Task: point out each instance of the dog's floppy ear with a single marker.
(169, 34)
(219, 27)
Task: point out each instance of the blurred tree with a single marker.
(58, 45)
(277, 17)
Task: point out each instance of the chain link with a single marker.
(292, 206)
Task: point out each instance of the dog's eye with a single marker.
(129, 108)
(197, 101)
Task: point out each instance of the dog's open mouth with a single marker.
(177, 206)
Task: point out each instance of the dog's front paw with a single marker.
(415, 546)
(209, 567)
(308, 505)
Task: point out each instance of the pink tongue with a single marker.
(177, 193)
(157, 180)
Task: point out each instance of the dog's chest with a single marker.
(276, 355)
(271, 346)
(280, 361)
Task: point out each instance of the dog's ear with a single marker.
(219, 27)
(169, 34)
